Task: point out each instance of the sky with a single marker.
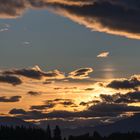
(69, 60)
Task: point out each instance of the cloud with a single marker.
(67, 102)
(103, 55)
(104, 106)
(3, 29)
(102, 109)
(93, 102)
(99, 110)
(131, 83)
(105, 16)
(30, 115)
(130, 97)
(81, 73)
(113, 107)
(48, 82)
(10, 99)
(134, 96)
(35, 73)
(42, 107)
(14, 80)
(55, 74)
(27, 44)
(89, 89)
(49, 104)
(12, 8)
(113, 17)
(15, 111)
(31, 74)
(33, 93)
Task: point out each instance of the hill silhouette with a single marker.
(13, 122)
(130, 124)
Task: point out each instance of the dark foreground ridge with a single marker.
(32, 133)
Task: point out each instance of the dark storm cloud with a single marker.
(10, 99)
(14, 80)
(119, 17)
(15, 111)
(131, 83)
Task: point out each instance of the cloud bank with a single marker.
(16, 76)
(110, 16)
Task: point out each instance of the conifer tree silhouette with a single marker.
(96, 136)
(48, 133)
(25, 133)
(57, 133)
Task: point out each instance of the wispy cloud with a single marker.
(103, 55)
(67, 97)
(4, 27)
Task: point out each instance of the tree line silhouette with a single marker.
(24, 133)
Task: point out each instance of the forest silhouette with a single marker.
(32, 133)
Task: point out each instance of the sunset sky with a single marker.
(69, 60)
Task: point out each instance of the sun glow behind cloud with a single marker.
(65, 93)
(35, 94)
